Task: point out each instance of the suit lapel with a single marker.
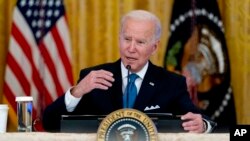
(147, 89)
(116, 89)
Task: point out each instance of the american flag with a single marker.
(39, 56)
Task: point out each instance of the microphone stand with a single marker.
(128, 68)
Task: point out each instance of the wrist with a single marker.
(74, 92)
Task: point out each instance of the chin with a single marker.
(134, 69)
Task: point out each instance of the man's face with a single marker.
(137, 43)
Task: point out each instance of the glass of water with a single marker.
(24, 113)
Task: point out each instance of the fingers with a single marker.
(190, 115)
(193, 122)
(102, 79)
(99, 79)
(191, 126)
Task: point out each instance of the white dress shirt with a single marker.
(138, 81)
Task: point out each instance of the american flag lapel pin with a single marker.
(151, 83)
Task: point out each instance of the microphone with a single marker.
(128, 68)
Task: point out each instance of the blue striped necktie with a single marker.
(130, 92)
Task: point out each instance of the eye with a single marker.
(141, 43)
(127, 39)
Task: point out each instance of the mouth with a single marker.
(131, 58)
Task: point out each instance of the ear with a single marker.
(155, 47)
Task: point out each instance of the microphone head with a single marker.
(128, 67)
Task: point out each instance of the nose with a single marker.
(132, 46)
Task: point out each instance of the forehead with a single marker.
(138, 27)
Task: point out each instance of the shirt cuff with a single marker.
(71, 101)
(208, 126)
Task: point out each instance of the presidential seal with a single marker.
(127, 125)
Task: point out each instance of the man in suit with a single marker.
(101, 89)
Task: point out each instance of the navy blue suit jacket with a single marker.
(159, 87)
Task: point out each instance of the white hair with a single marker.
(144, 15)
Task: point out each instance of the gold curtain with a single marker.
(237, 28)
(94, 28)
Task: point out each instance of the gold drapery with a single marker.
(237, 30)
(94, 26)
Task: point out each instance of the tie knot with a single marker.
(133, 77)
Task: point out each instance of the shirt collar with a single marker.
(140, 73)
